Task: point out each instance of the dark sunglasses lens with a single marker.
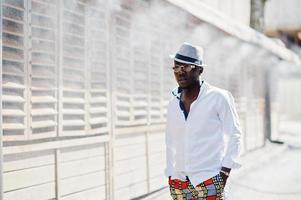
(178, 68)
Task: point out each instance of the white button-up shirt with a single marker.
(208, 139)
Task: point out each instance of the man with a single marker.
(199, 118)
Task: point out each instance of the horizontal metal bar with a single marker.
(55, 144)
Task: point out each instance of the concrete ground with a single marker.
(279, 177)
(270, 173)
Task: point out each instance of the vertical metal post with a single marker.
(267, 106)
(147, 140)
(28, 68)
(27, 72)
(111, 102)
(1, 130)
(59, 57)
(147, 159)
(268, 110)
(58, 70)
(87, 78)
(57, 174)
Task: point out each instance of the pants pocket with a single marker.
(222, 180)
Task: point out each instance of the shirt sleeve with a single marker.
(170, 151)
(231, 128)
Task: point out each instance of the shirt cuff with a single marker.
(231, 164)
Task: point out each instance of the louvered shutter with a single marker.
(122, 75)
(155, 76)
(140, 74)
(73, 69)
(14, 74)
(43, 67)
(168, 80)
(98, 72)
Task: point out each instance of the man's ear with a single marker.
(201, 70)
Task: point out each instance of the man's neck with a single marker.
(191, 92)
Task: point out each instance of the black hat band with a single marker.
(188, 59)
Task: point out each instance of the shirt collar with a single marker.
(177, 91)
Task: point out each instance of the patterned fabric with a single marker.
(211, 189)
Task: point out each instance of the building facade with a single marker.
(237, 10)
(85, 85)
(283, 21)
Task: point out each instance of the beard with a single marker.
(190, 85)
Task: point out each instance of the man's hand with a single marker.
(224, 177)
(224, 173)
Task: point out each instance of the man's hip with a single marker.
(211, 189)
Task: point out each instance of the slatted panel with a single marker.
(168, 81)
(73, 68)
(29, 176)
(155, 76)
(156, 149)
(212, 52)
(14, 72)
(140, 74)
(122, 76)
(83, 172)
(98, 76)
(254, 119)
(241, 107)
(130, 166)
(90, 194)
(170, 43)
(43, 191)
(43, 67)
(234, 82)
(254, 125)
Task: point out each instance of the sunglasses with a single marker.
(187, 68)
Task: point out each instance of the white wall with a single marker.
(283, 15)
(238, 10)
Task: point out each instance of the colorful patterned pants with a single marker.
(211, 189)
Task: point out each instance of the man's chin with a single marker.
(187, 85)
(183, 87)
